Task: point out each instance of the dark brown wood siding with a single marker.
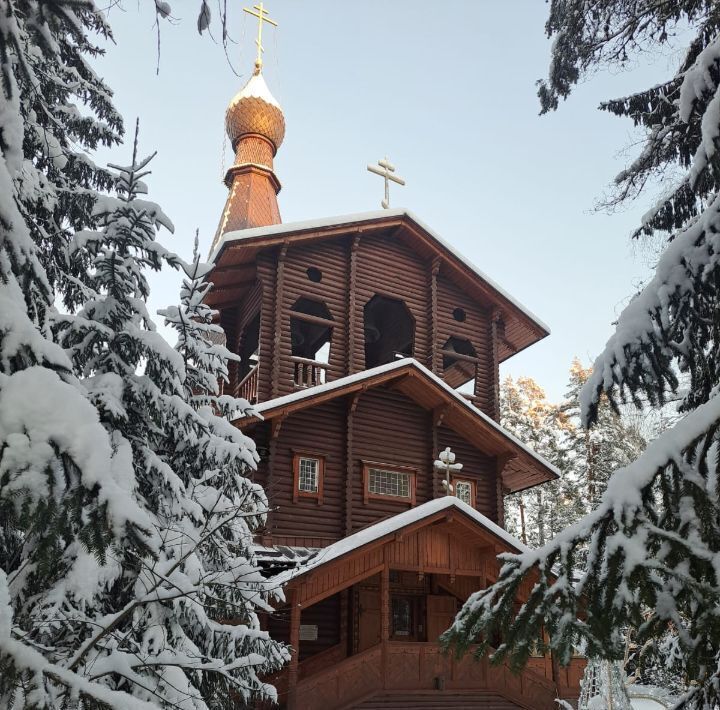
(387, 267)
(266, 265)
(389, 428)
(318, 430)
(325, 615)
(476, 329)
(331, 259)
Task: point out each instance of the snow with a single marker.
(40, 415)
(390, 367)
(275, 229)
(393, 524)
(256, 88)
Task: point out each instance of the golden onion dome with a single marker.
(255, 110)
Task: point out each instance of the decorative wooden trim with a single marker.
(495, 319)
(384, 615)
(275, 427)
(395, 468)
(349, 462)
(454, 480)
(351, 303)
(297, 493)
(434, 356)
(277, 339)
(501, 462)
(295, 657)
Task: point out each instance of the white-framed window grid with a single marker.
(308, 474)
(382, 482)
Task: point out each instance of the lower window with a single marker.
(308, 472)
(465, 491)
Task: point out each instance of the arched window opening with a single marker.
(389, 330)
(311, 327)
(459, 363)
(249, 360)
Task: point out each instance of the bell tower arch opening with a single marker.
(311, 328)
(389, 330)
(460, 361)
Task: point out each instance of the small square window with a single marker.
(465, 491)
(308, 472)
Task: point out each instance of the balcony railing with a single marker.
(248, 387)
(308, 373)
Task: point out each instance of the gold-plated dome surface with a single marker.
(255, 110)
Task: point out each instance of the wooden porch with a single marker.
(365, 622)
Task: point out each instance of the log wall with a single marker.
(385, 427)
(354, 268)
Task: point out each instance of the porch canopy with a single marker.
(444, 537)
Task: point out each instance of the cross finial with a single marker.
(260, 12)
(386, 171)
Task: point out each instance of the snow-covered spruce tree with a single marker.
(217, 458)
(64, 495)
(654, 540)
(56, 110)
(175, 625)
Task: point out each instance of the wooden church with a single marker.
(370, 346)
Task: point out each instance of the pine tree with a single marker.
(536, 516)
(653, 542)
(613, 441)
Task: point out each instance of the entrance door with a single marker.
(441, 610)
(368, 618)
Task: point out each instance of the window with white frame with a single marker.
(308, 474)
(464, 491)
(382, 482)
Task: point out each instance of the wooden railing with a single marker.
(248, 387)
(308, 373)
(395, 666)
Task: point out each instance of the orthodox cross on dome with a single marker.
(386, 171)
(260, 12)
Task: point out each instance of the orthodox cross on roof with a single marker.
(446, 464)
(260, 12)
(386, 171)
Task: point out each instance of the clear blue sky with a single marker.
(447, 91)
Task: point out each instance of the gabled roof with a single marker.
(234, 255)
(378, 532)
(524, 469)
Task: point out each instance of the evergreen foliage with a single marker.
(537, 515)
(126, 510)
(653, 542)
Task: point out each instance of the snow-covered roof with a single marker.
(256, 88)
(403, 363)
(288, 227)
(393, 524)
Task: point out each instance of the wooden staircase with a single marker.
(438, 700)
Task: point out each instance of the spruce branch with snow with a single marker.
(653, 542)
(158, 627)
